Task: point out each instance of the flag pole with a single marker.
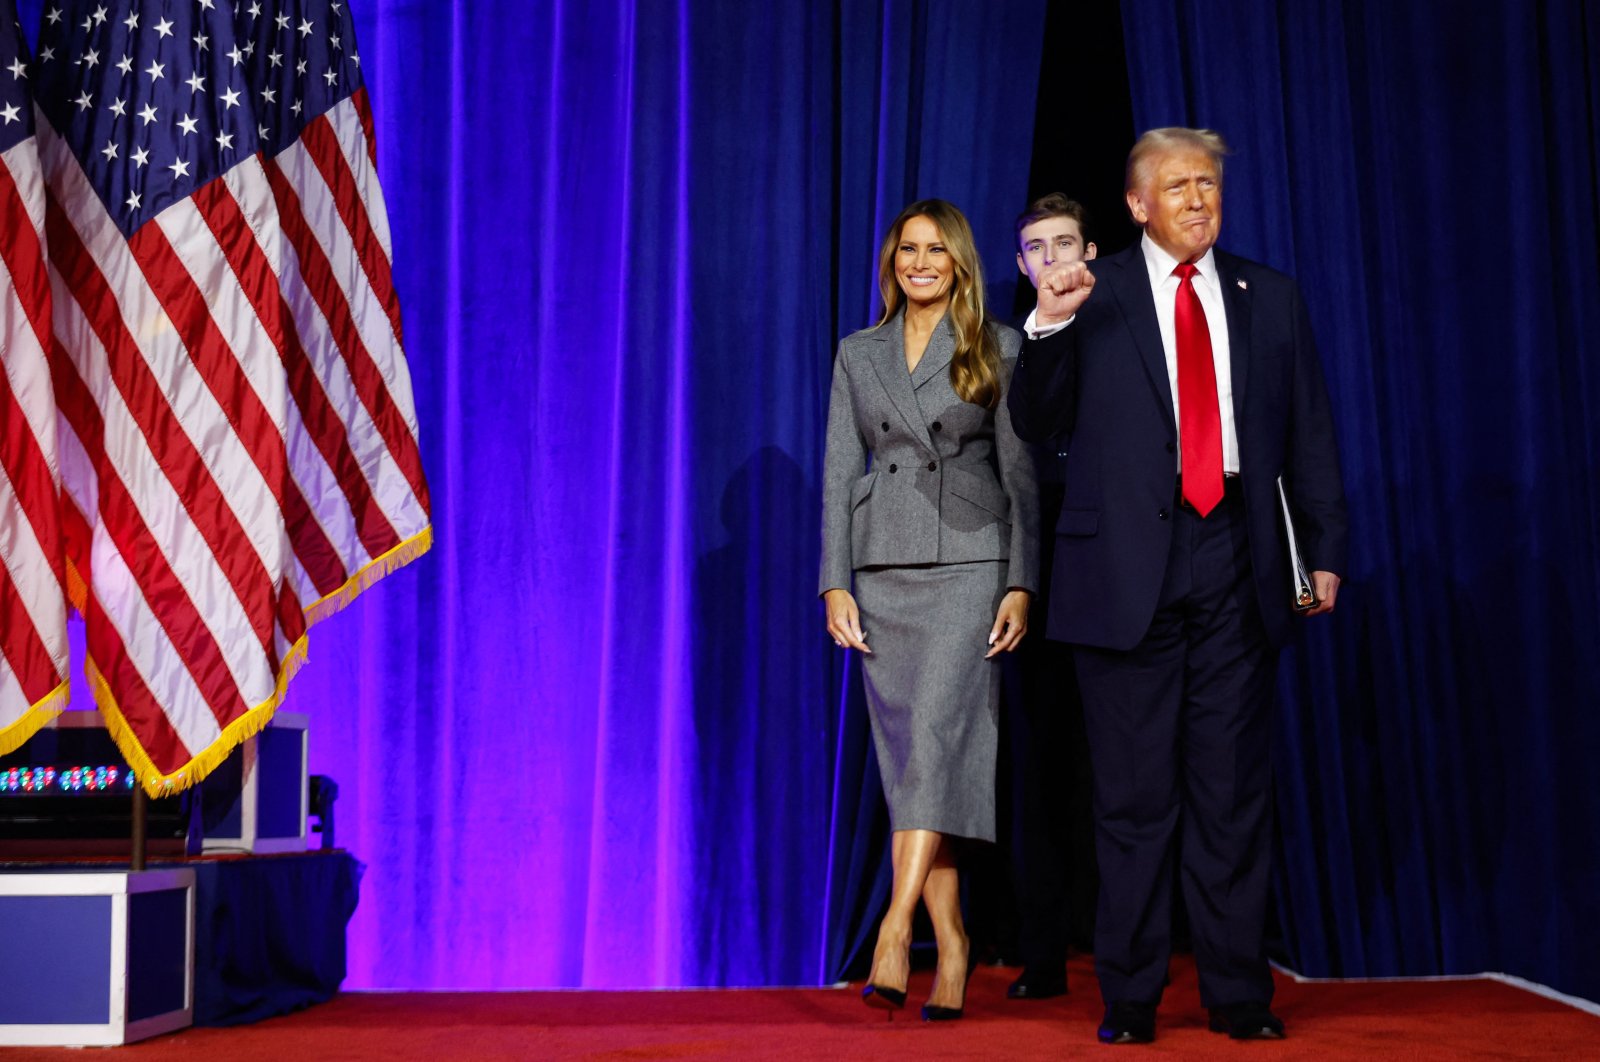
(140, 821)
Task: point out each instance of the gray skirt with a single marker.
(933, 699)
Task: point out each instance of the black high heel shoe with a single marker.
(934, 1012)
(883, 998)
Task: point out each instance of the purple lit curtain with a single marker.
(596, 738)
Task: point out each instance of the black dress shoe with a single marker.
(1247, 1021)
(1038, 984)
(1129, 1023)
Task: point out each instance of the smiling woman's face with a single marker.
(922, 265)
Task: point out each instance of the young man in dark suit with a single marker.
(1189, 382)
(1050, 836)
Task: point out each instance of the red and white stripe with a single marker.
(33, 602)
(243, 454)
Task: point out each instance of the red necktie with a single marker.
(1199, 422)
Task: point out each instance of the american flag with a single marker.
(33, 610)
(239, 444)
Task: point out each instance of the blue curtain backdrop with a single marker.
(1429, 171)
(595, 737)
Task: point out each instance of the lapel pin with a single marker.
(1243, 285)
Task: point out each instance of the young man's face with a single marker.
(1051, 242)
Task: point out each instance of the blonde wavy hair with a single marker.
(975, 366)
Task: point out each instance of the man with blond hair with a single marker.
(1189, 383)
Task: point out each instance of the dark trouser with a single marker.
(1052, 826)
(1052, 835)
(1180, 732)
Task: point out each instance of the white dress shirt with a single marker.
(1164, 287)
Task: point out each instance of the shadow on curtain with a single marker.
(597, 738)
(1428, 172)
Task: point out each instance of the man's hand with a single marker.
(1326, 586)
(1062, 291)
(844, 620)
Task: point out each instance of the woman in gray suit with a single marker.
(929, 503)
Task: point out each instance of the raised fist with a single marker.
(1062, 291)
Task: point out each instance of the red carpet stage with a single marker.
(1419, 1020)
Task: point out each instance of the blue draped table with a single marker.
(269, 930)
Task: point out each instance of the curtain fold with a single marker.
(1428, 172)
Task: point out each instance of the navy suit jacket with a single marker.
(1103, 379)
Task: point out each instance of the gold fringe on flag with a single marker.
(252, 722)
(376, 569)
(210, 758)
(33, 720)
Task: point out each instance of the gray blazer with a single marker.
(949, 481)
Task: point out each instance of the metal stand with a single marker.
(140, 823)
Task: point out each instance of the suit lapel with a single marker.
(1130, 282)
(1236, 301)
(936, 359)
(890, 366)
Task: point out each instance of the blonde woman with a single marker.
(930, 511)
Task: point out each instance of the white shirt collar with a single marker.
(1161, 264)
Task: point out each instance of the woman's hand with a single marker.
(1010, 623)
(844, 620)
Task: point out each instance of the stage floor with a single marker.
(1421, 1020)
